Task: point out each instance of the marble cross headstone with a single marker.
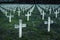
(49, 22)
(50, 10)
(43, 13)
(29, 12)
(10, 17)
(28, 15)
(19, 12)
(53, 8)
(23, 9)
(14, 11)
(56, 13)
(6, 13)
(20, 26)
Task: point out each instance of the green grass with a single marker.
(35, 29)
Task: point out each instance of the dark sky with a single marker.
(31, 1)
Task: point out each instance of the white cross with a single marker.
(56, 13)
(46, 8)
(11, 9)
(20, 27)
(23, 10)
(49, 22)
(28, 15)
(10, 17)
(50, 10)
(14, 11)
(6, 13)
(43, 13)
(53, 8)
(29, 12)
(19, 12)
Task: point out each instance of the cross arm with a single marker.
(23, 25)
(45, 22)
(16, 26)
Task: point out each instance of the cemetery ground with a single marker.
(35, 28)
